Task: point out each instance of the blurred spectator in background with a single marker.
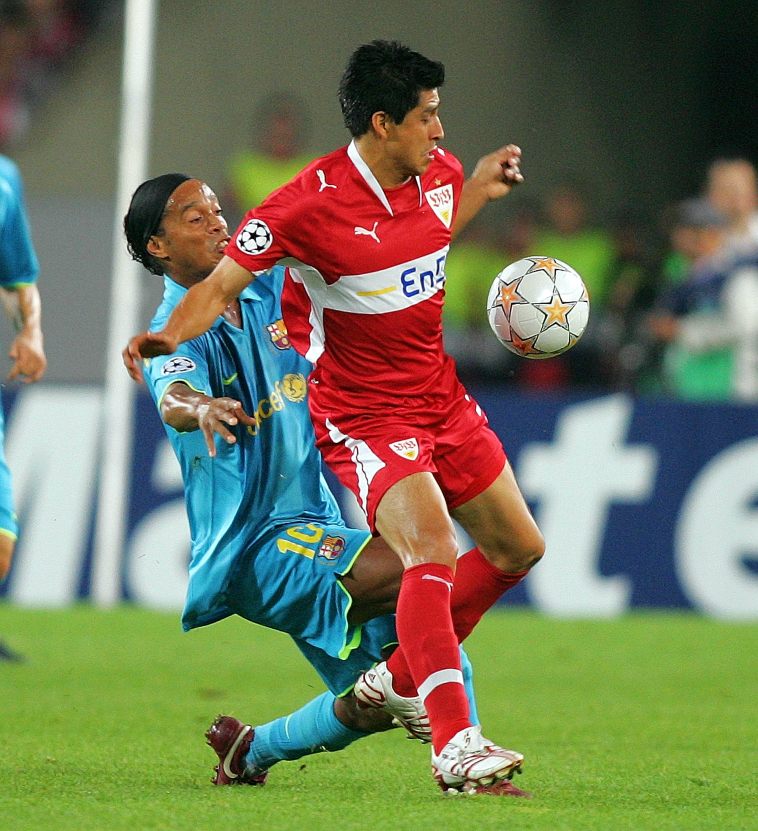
(15, 40)
(732, 189)
(280, 140)
(708, 322)
(567, 234)
(631, 294)
(18, 290)
(37, 39)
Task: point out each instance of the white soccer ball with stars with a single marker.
(538, 307)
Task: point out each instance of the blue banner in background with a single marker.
(643, 503)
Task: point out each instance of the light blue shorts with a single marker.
(290, 582)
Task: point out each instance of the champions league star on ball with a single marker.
(538, 307)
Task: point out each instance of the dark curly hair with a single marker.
(384, 76)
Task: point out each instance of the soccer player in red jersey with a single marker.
(365, 231)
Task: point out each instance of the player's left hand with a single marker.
(28, 356)
(499, 172)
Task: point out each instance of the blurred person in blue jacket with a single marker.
(709, 321)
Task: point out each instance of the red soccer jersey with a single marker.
(367, 274)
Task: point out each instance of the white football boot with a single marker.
(469, 760)
(374, 689)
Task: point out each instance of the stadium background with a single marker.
(632, 100)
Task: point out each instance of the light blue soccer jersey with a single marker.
(18, 259)
(272, 474)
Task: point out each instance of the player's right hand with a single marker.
(146, 345)
(213, 416)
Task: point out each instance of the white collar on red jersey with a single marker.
(365, 171)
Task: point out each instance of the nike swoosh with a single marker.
(230, 755)
(227, 381)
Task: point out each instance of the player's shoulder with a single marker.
(264, 293)
(445, 161)
(307, 191)
(325, 173)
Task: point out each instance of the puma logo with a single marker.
(364, 232)
(438, 580)
(322, 178)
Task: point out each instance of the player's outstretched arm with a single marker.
(186, 410)
(27, 350)
(193, 315)
(494, 176)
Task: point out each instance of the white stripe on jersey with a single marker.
(367, 463)
(314, 286)
(376, 292)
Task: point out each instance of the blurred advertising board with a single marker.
(643, 503)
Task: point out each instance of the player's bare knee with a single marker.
(440, 546)
(517, 555)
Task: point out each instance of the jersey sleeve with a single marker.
(269, 233)
(188, 365)
(18, 259)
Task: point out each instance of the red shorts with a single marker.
(370, 453)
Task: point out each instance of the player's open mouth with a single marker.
(222, 245)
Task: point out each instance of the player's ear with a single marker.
(156, 248)
(380, 123)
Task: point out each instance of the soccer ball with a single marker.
(538, 307)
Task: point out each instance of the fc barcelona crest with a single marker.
(278, 333)
(331, 547)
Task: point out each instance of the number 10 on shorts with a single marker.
(301, 539)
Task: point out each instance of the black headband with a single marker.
(146, 210)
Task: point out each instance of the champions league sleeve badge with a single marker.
(177, 365)
(255, 237)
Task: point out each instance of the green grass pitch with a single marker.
(646, 722)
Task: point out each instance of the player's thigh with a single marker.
(373, 581)
(501, 524)
(412, 517)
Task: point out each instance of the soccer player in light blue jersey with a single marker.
(268, 541)
(19, 269)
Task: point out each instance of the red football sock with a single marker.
(430, 646)
(477, 586)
